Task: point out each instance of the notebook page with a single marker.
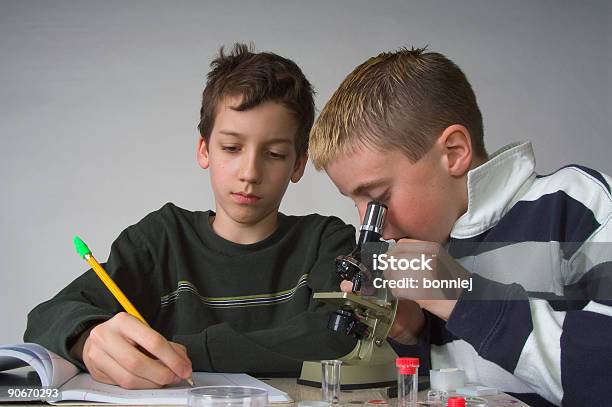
(83, 387)
(58, 369)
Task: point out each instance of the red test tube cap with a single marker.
(407, 365)
(455, 402)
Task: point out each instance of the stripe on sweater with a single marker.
(598, 176)
(187, 288)
(547, 328)
(535, 221)
(497, 329)
(586, 358)
(578, 195)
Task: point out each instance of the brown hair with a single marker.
(258, 78)
(396, 101)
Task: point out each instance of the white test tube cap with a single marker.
(446, 379)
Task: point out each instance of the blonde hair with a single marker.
(398, 100)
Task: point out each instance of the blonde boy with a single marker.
(404, 128)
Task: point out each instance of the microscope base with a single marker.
(362, 376)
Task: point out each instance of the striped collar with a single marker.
(493, 187)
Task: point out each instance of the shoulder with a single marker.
(578, 179)
(315, 226)
(567, 205)
(574, 186)
(168, 218)
(315, 221)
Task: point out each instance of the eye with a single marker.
(382, 198)
(277, 156)
(230, 149)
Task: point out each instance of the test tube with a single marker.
(407, 381)
(330, 381)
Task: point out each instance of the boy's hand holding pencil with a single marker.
(125, 350)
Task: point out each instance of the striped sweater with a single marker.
(237, 308)
(540, 248)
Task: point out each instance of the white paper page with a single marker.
(39, 353)
(83, 387)
(58, 368)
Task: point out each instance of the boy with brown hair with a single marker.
(226, 290)
(404, 128)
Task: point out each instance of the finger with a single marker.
(108, 371)
(346, 286)
(157, 346)
(412, 245)
(407, 240)
(181, 350)
(120, 341)
(99, 376)
(136, 363)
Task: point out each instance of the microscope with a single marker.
(367, 316)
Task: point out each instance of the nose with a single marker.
(388, 232)
(392, 231)
(250, 168)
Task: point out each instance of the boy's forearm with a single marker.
(440, 308)
(276, 350)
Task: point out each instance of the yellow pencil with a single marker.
(84, 252)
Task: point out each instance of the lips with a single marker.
(244, 198)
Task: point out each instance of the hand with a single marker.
(346, 286)
(125, 352)
(409, 319)
(439, 267)
(408, 323)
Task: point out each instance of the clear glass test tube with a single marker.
(330, 381)
(407, 381)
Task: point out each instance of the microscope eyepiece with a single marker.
(371, 229)
(350, 267)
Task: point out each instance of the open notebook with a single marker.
(56, 372)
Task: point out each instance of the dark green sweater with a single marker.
(237, 308)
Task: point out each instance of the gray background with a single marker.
(99, 103)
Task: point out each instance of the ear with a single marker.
(299, 167)
(202, 153)
(456, 146)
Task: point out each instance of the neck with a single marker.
(476, 162)
(243, 233)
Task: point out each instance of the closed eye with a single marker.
(382, 198)
(277, 156)
(230, 149)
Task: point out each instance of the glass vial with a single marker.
(407, 381)
(330, 381)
